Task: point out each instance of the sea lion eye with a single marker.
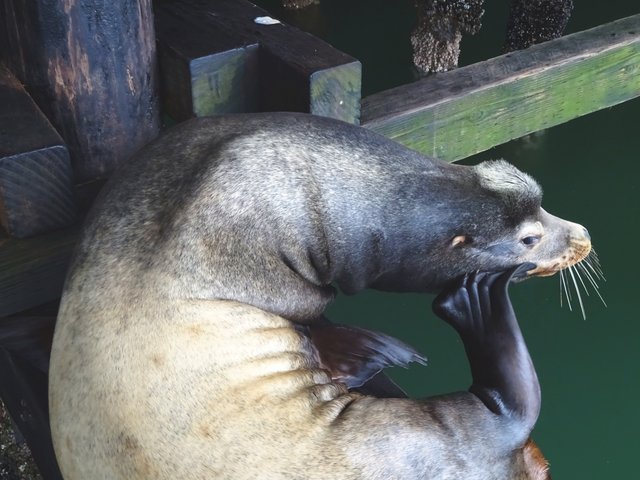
(530, 240)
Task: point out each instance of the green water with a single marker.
(588, 369)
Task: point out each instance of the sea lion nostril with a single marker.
(586, 233)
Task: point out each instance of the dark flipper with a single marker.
(381, 386)
(504, 379)
(355, 355)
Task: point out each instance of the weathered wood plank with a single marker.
(455, 114)
(91, 67)
(204, 68)
(215, 58)
(35, 170)
(32, 270)
(25, 347)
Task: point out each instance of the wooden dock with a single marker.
(449, 116)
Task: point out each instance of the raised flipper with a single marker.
(504, 378)
(355, 356)
(381, 386)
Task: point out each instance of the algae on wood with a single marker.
(456, 114)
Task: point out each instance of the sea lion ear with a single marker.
(512, 185)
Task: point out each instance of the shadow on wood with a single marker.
(25, 347)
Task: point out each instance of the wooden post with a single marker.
(216, 58)
(91, 69)
(35, 171)
(536, 21)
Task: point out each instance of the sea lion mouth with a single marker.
(578, 251)
(579, 268)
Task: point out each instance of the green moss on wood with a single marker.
(459, 113)
(335, 92)
(226, 82)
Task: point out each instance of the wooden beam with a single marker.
(215, 58)
(204, 68)
(35, 169)
(32, 270)
(456, 114)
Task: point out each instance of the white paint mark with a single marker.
(266, 21)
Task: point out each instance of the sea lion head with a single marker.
(535, 236)
(496, 221)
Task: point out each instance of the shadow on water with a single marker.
(589, 169)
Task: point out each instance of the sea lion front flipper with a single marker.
(355, 355)
(504, 379)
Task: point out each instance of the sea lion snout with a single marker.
(568, 243)
(579, 242)
(585, 232)
(577, 233)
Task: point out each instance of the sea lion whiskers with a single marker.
(588, 268)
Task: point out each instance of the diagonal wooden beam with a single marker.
(456, 114)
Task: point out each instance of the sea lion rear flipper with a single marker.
(355, 355)
(381, 386)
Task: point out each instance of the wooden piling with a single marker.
(91, 69)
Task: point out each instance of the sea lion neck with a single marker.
(386, 241)
(306, 222)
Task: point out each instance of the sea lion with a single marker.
(182, 348)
